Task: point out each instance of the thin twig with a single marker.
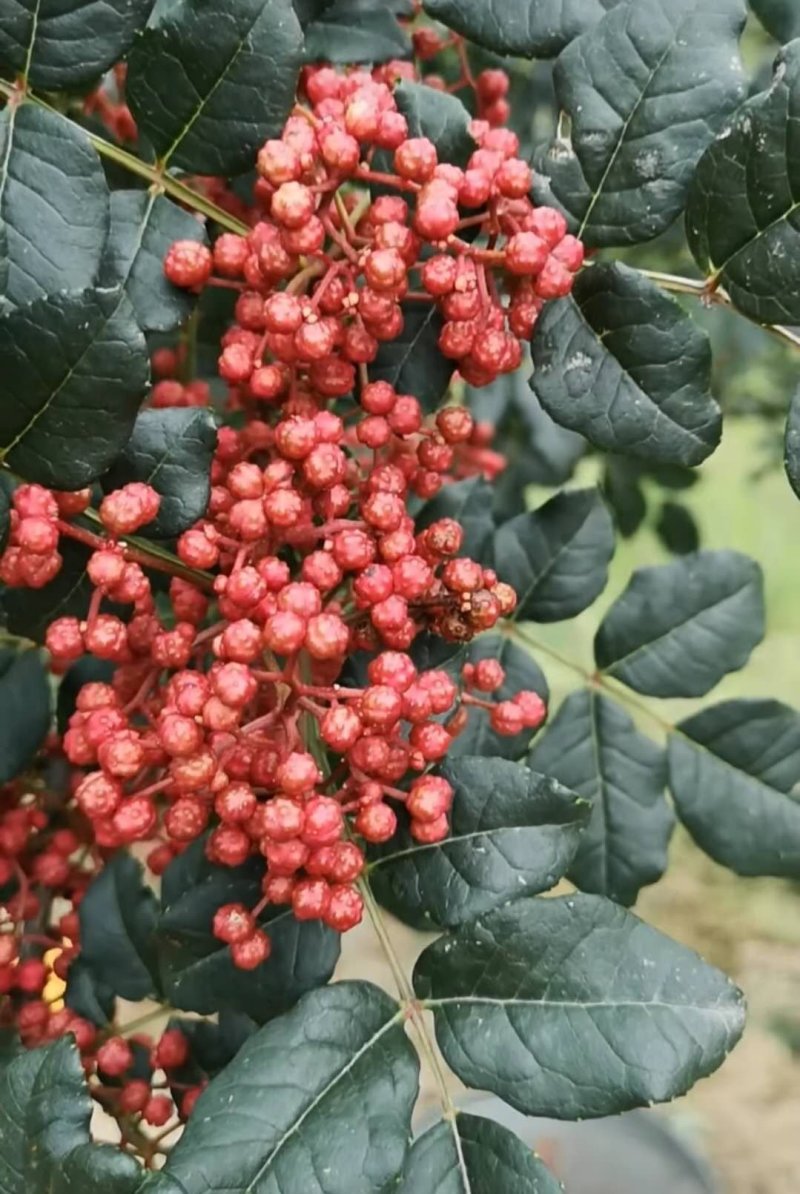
(593, 679)
(155, 174)
(411, 1004)
(700, 289)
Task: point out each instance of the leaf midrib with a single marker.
(213, 89)
(32, 42)
(682, 735)
(12, 110)
(624, 131)
(597, 754)
(252, 1185)
(575, 1004)
(106, 319)
(489, 833)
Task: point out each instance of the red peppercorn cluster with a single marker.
(326, 318)
(228, 715)
(32, 559)
(47, 861)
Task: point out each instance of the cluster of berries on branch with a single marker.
(234, 713)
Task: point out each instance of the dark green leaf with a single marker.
(97, 1169)
(734, 771)
(742, 214)
(89, 996)
(211, 1046)
(118, 918)
(677, 529)
(671, 476)
(53, 204)
(143, 226)
(210, 80)
(45, 1146)
(622, 490)
(440, 117)
(74, 371)
(538, 450)
(171, 450)
(679, 628)
(412, 362)
(557, 557)
(621, 362)
(473, 1155)
(529, 28)
(514, 833)
(781, 18)
(573, 1007)
(310, 10)
(645, 92)
(549, 452)
(792, 444)
(593, 747)
(356, 31)
(469, 503)
(198, 970)
(57, 45)
(10, 1046)
(319, 1100)
(24, 710)
(522, 674)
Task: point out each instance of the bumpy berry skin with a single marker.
(115, 1057)
(188, 264)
